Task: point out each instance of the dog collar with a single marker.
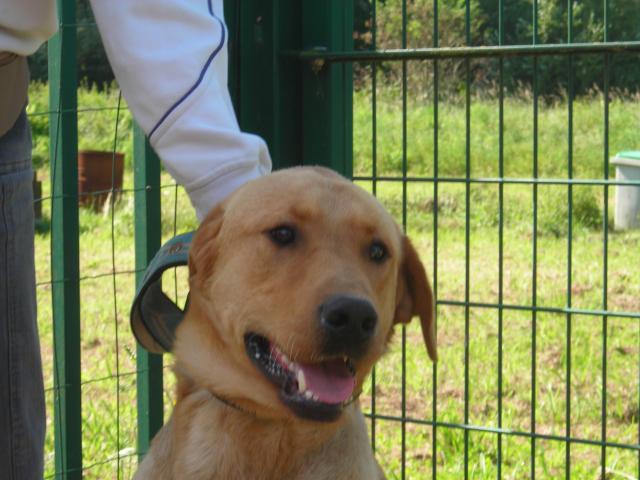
(154, 316)
(234, 406)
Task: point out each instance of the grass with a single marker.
(588, 118)
(108, 348)
(551, 351)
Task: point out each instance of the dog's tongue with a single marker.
(331, 381)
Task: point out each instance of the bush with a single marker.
(93, 66)
(586, 209)
(588, 26)
(553, 210)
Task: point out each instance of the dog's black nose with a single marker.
(347, 323)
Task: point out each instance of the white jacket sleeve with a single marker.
(170, 60)
(26, 24)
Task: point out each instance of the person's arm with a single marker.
(26, 24)
(170, 60)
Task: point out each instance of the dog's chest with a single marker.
(344, 466)
(239, 450)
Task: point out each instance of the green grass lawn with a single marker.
(108, 347)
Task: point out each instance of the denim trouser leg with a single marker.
(22, 411)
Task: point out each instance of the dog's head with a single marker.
(297, 281)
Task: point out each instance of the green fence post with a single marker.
(327, 95)
(304, 112)
(264, 86)
(63, 138)
(147, 239)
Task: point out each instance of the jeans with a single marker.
(22, 407)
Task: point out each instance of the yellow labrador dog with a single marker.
(297, 281)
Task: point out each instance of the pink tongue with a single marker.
(330, 381)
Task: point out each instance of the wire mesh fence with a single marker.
(507, 192)
(539, 348)
(88, 260)
(106, 411)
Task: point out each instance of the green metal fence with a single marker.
(526, 349)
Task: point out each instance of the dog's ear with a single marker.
(202, 253)
(414, 296)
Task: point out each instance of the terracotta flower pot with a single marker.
(97, 175)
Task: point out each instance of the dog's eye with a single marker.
(378, 252)
(283, 235)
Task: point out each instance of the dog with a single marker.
(296, 283)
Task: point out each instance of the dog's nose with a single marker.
(348, 322)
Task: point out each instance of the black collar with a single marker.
(230, 404)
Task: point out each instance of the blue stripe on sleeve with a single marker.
(202, 73)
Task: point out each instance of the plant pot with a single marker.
(98, 174)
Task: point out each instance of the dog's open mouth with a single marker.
(315, 391)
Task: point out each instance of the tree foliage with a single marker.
(518, 29)
(93, 66)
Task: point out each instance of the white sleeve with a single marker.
(26, 24)
(170, 60)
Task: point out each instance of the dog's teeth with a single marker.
(308, 395)
(284, 357)
(302, 384)
(315, 397)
